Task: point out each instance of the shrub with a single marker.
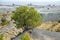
(4, 21)
(1, 36)
(26, 17)
(25, 36)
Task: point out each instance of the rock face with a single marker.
(38, 34)
(9, 31)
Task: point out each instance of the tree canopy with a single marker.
(26, 17)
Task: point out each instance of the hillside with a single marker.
(51, 26)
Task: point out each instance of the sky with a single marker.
(28, 1)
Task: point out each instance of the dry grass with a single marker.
(51, 26)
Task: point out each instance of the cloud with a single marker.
(29, 0)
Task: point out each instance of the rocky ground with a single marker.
(9, 31)
(39, 33)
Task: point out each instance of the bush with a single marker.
(4, 21)
(1, 36)
(26, 17)
(25, 36)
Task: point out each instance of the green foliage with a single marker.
(1, 36)
(25, 37)
(4, 21)
(26, 16)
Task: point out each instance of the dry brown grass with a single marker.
(51, 26)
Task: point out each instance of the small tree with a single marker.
(26, 17)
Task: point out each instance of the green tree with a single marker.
(26, 17)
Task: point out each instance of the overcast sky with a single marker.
(29, 0)
(56, 2)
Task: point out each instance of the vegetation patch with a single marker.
(50, 26)
(1, 36)
(4, 21)
(26, 17)
(25, 36)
